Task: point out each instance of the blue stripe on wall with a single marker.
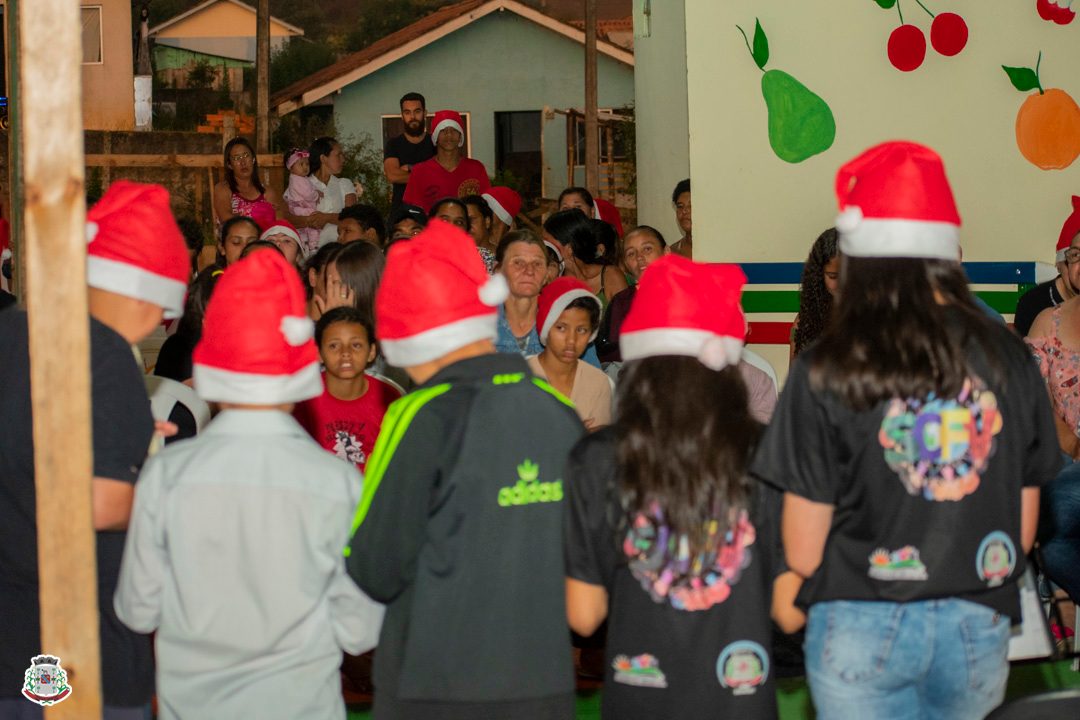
(997, 273)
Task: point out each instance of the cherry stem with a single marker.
(1037, 78)
(925, 8)
(901, 12)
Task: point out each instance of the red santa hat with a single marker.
(135, 248)
(1069, 230)
(447, 119)
(504, 202)
(895, 201)
(284, 227)
(606, 211)
(686, 308)
(435, 296)
(555, 297)
(256, 345)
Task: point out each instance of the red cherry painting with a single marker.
(907, 48)
(1056, 11)
(948, 33)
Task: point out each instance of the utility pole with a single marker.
(592, 134)
(48, 133)
(262, 77)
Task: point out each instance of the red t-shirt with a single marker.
(347, 428)
(429, 181)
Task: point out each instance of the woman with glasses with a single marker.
(1065, 286)
(242, 191)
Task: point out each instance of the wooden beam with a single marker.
(262, 77)
(592, 148)
(169, 160)
(15, 186)
(50, 102)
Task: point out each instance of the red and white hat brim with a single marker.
(561, 304)
(136, 282)
(219, 385)
(713, 351)
(443, 124)
(893, 237)
(434, 343)
(498, 209)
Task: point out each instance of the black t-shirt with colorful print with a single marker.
(926, 493)
(680, 643)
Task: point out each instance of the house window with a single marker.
(392, 126)
(612, 144)
(91, 35)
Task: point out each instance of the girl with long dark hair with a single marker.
(666, 536)
(820, 278)
(911, 442)
(587, 246)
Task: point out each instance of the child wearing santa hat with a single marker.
(911, 441)
(666, 537)
(449, 173)
(567, 318)
(234, 552)
(1053, 293)
(460, 524)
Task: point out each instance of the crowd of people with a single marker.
(487, 449)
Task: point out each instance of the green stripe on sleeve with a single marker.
(546, 387)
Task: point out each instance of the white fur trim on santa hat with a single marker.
(560, 304)
(1060, 256)
(447, 123)
(712, 351)
(217, 385)
(495, 291)
(498, 209)
(297, 330)
(870, 237)
(132, 281)
(436, 342)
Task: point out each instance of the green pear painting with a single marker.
(801, 124)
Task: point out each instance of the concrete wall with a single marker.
(499, 63)
(663, 125)
(108, 88)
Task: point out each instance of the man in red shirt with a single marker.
(449, 173)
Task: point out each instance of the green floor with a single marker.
(794, 698)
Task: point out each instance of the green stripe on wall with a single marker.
(787, 301)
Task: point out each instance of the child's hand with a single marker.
(341, 296)
(165, 429)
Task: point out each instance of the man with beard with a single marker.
(409, 148)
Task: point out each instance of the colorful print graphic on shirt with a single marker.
(902, 564)
(743, 666)
(641, 671)
(662, 563)
(939, 447)
(995, 559)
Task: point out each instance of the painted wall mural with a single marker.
(1056, 11)
(801, 124)
(1048, 123)
(907, 43)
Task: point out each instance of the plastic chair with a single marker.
(1054, 705)
(165, 394)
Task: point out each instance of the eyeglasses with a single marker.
(242, 157)
(1072, 256)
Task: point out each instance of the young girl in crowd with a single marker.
(820, 278)
(347, 417)
(236, 234)
(666, 537)
(481, 219)
(302, 196)
(910, 441)
(567, 318)
(584, 255)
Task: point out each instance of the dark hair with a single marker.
(368, 218)
(480, 204)
(434, 211)
(193, 237)
(412, 97)
(685, 452)
(322, 256)
(319, 147)
(235, 220)
(230, 177)
(605, 235)
(518, 236)
(583, 192)
(890, 337)
(582, 235)
(648, 230)
(190, 323)
(815, 302)
(683, 186)
(344, 314)
(259, 245)
(360, 266)
(589, 305)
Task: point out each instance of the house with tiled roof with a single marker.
(515, 73)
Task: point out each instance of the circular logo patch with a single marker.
(743, 666)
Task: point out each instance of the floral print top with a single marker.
(1060, 367)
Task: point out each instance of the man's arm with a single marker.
(111, 501)
(396, 173)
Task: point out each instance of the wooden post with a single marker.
(15, 185)
(49, 100)
(592, 148)
(262, 77)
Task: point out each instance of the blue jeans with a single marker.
(928, 660)
(1059, 529)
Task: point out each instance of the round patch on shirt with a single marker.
(743, 666)
(996, 558)
(938, 447)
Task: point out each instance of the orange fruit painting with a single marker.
(1047, 124)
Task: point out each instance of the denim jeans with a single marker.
(927, 660)
(1059, 529)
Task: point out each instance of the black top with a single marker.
(407, 153)
(460, 536)
(122, 428)
(679, 645)
(1033, 302)
(174, 358)
(6, 299)
(926, 494)
(607, 338)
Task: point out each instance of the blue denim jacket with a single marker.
(506, 342)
